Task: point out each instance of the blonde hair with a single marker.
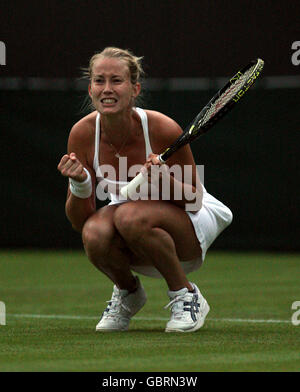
(133, 63)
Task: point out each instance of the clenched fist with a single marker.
(71, 167)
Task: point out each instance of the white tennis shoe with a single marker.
(188, 310)
(121, 308)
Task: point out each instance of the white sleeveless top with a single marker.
(110, 188)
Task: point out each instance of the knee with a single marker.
(96, 238)
(130, 222)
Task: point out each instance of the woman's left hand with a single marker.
(152, 160)
(154, 169)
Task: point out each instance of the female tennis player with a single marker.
(157, 238)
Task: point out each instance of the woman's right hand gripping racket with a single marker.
(221, 103)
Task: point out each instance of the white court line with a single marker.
(71, 317)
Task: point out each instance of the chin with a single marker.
(113, 110)
(110, 110)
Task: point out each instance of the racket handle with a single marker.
(130, 188)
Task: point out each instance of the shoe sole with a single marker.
(199, 324)
(110, 330)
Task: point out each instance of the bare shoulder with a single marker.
(163, 131)
(82, 138)
(83, 129)
(162, 127)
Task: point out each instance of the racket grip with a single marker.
(129, 189)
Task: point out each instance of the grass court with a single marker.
(54, 299)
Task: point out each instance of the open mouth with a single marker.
(108, 100)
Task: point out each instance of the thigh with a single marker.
(102, 217)
(167, 216)
(100, 226)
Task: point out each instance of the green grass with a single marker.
(239, 287)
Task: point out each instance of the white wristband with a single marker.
(83, 190)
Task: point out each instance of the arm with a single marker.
(179, 184)
(185, 188)
(72, 166)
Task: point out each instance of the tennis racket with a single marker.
(221, 103)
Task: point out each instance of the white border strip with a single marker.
(151, 84)
(71, 317)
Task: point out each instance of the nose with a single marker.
(107, 87)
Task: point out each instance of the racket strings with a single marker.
(226, 96)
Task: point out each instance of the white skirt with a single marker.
(208, 223)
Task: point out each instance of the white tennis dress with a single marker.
(208, 222)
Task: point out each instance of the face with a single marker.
(110, 88)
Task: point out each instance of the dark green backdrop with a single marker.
(250, 163)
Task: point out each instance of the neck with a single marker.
(117, 126)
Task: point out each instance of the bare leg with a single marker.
(160, 234)
(106, 249)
